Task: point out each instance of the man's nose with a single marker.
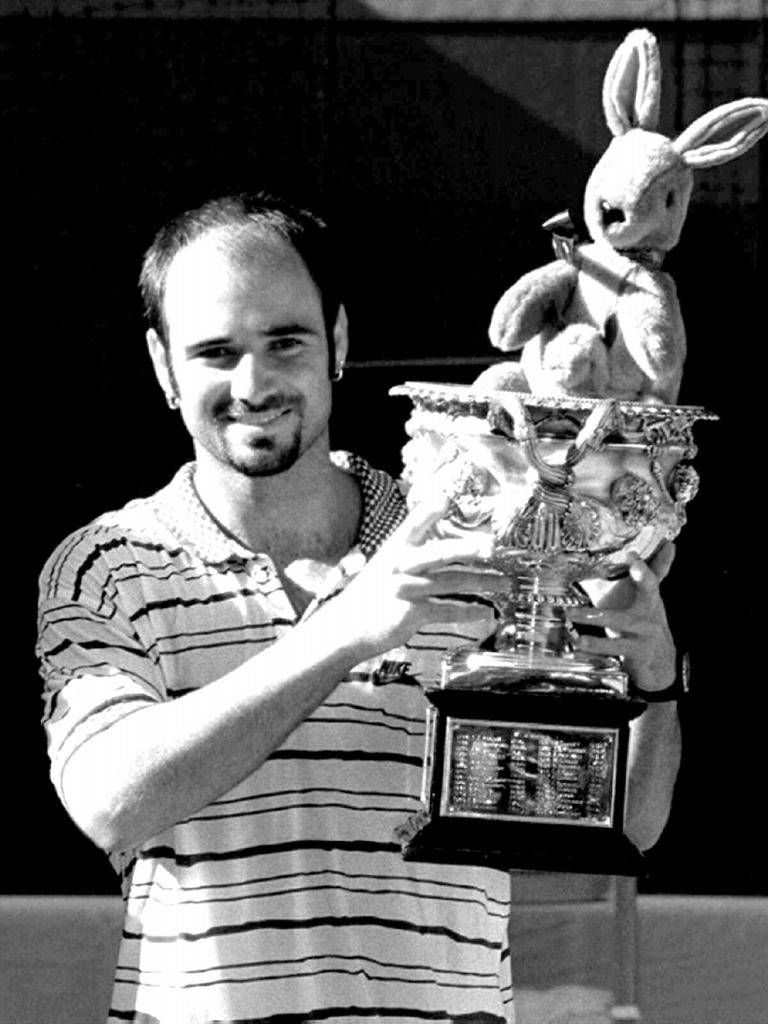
(250, 378)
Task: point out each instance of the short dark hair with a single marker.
(269, 215)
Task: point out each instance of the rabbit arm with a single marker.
(650, 338)
(537, 300)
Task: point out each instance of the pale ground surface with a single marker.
(702, 960)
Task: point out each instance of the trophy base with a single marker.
(525, 780)
(507, 846)
(534, 671)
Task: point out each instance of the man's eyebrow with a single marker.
(280, 330)
(203, 343)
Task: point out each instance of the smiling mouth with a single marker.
(258, 419)
(257, 416)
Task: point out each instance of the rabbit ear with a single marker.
(723, 133)
(632, 84)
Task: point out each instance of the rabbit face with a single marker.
(637, 195)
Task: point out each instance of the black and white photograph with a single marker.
(386, 579)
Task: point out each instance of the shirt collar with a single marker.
(180, 509)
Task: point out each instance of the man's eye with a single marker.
(216, 354)
(287, 344)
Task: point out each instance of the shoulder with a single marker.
(384, 505)
(129, 534)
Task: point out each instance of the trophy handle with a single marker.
(551, 519)
(509, 415)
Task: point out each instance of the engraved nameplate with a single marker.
(529, 772)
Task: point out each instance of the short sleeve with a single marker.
(94, 666)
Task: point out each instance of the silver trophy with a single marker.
(527, 738)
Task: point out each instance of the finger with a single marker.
(433, 505)
(420, 520)
(452, 583)
(643, 576)
(662, 561)
(442, 609)
(434, 555)
(434, 501)
(626, 622)
(623, 647)
(638, 648)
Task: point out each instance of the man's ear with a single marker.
(161, 364)
(341, 338)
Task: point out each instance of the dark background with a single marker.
(437, 149)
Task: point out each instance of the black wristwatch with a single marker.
(677, 690)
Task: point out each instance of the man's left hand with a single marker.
(631, 611)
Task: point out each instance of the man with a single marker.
(228, 709)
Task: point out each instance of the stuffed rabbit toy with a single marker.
(603, 320)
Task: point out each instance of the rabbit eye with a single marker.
(670, 199)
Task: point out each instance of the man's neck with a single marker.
(310, 511)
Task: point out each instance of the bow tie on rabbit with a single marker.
(603, 320)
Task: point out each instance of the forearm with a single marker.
(163, 763)
(654, 760)
(166, 762)
(632, 614)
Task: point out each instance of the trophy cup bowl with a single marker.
(527, 737)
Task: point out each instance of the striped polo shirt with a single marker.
(287, 900)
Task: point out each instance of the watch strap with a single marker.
(678, 689)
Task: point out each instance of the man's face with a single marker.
(247, 354)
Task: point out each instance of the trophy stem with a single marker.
(534, 615)
(532, 648)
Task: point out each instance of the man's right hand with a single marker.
(417, 579)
